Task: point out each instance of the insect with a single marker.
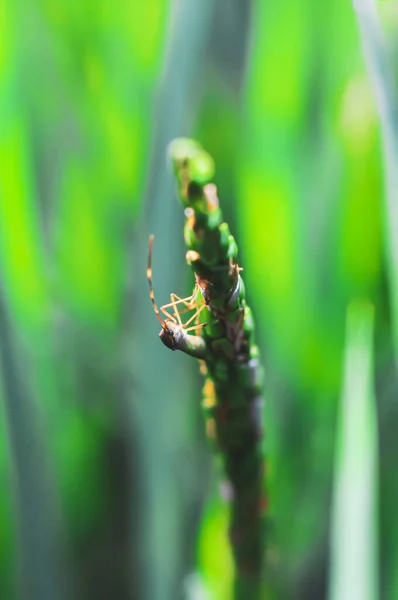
(174, 333)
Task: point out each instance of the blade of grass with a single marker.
(161, 408)
(24, 313)
(382, 78)
(40, 569)
(354, 572)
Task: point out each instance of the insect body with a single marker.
(174, 334)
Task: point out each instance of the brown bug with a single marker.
(174, 333)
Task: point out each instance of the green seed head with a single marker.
(201, 168)
(182, 149)
(191, 162)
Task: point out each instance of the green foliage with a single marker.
(215, 560)
(102, 449)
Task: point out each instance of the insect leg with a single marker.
(175, 302)
(189, 303)
(196, 327)
(189, 299)
(168, 315)
(176, 318)
(194, 316)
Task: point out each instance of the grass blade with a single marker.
(382, 78)
(41, 574)
(354, 527)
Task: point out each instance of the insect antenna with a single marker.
(149, 277)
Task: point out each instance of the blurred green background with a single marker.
(108, 486)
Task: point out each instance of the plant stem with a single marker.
(233, 375)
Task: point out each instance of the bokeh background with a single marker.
(108, 487)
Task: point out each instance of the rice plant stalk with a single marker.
(229, 357)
